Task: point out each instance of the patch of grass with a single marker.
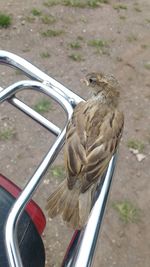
(144, 46)
(84, 3)
(137, 9)
(76, 57)
(83, 19)
(50, 3)
(147, 65)
(58, 171)
(30, 19)
(80, 38)
(127, 211)
(6, 134)
(76, 3)
(36, 12)
(99, 44)
(119, 59)
(5, 20)
(148, 20)
(43, 106)
(96, 3)
(48, 19)
(52, 33)
(136, 144)
(132, 38)
(45, 55)
(122, 17)
(120, 6)
(75, 45)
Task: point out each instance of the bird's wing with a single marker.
(74, 150)
(86, 163)
(102, 149)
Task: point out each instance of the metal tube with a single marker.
(33, 72)
(25, 196)
(18, 207)
(34, 115)
(87, 243)
(11, 90)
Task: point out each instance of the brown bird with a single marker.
(92, 137)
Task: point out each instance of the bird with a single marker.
(92, 137)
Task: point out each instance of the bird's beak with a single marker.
(85, 81)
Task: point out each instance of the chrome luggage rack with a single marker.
(82, 253)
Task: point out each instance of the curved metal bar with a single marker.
(86, 244)
(38, 86)
(18, 207)
(21, 202)
(33, 72)
(15, 213)
(34, 115)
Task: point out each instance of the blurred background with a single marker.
(67, 39)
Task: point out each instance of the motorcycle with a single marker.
(21, 220)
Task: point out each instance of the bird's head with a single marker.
(99, 82)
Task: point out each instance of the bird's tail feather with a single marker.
(70, 204)
(56, 200)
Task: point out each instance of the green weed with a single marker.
(144, 46)
(58, 171)
(45, 55)
(80, 38)
(147, 65)
(122, 17)
(43, 106)
(96, 3)
(84, 3)
(76, 3)
(48, 19)
(100, 45)
(148, 20)
(75, 45)
(52, 33)
(136, 144)
(137, 9)
(132, 38)
(30, 19)
(36, 12)
(5, 20)
(76, 57)
(50, 3)
(120, 6)
(127, 211)
(6, 134)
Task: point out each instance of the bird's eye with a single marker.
(92, 81)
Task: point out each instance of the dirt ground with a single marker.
(123, 28)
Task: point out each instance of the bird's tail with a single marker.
(70, 204)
